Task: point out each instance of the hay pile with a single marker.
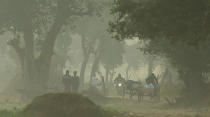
(64, 105)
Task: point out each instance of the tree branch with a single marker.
(64, 11)
(20, 51)
(61, 16)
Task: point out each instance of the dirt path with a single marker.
(148, 108)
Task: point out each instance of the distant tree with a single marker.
(132, 58)
(111, 55)
(91, 30)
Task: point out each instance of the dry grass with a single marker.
(149, 108)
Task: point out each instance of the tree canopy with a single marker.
(178, 30)
(186, 20)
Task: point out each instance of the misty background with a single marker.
(41, 39)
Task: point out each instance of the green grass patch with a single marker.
(111, 110)
(7, 113)
(12, 113)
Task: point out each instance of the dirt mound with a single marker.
(64, 105)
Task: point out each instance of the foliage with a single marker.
(185, 20)
(41, 17)
(178, 30)
(191, 63)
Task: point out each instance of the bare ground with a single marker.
(149, 108)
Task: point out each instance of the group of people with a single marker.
(151, 81)
(71, 83)
(151, 88)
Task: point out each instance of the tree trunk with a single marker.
(87, 48)
(29, 52)
(112, 73)
(44, 61)
(19, 51)
(150, 64)
(95, 66)
(97, 58)
(127, 72)
(36, 71)
(56, 73)
(83, 68)
(107, 75)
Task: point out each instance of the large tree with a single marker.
(36, 25)
(175, 29)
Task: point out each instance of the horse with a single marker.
(145, 92)
(131, 88)
(137, 88)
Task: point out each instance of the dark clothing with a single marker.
(76, 83)
(154, 81)
(119, 88)
(119, 80)
(67, 81)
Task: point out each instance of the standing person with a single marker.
(76, 82)
(103, 85)
(119, 79)
(67, 81)
(119, 84)
(152, 79)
